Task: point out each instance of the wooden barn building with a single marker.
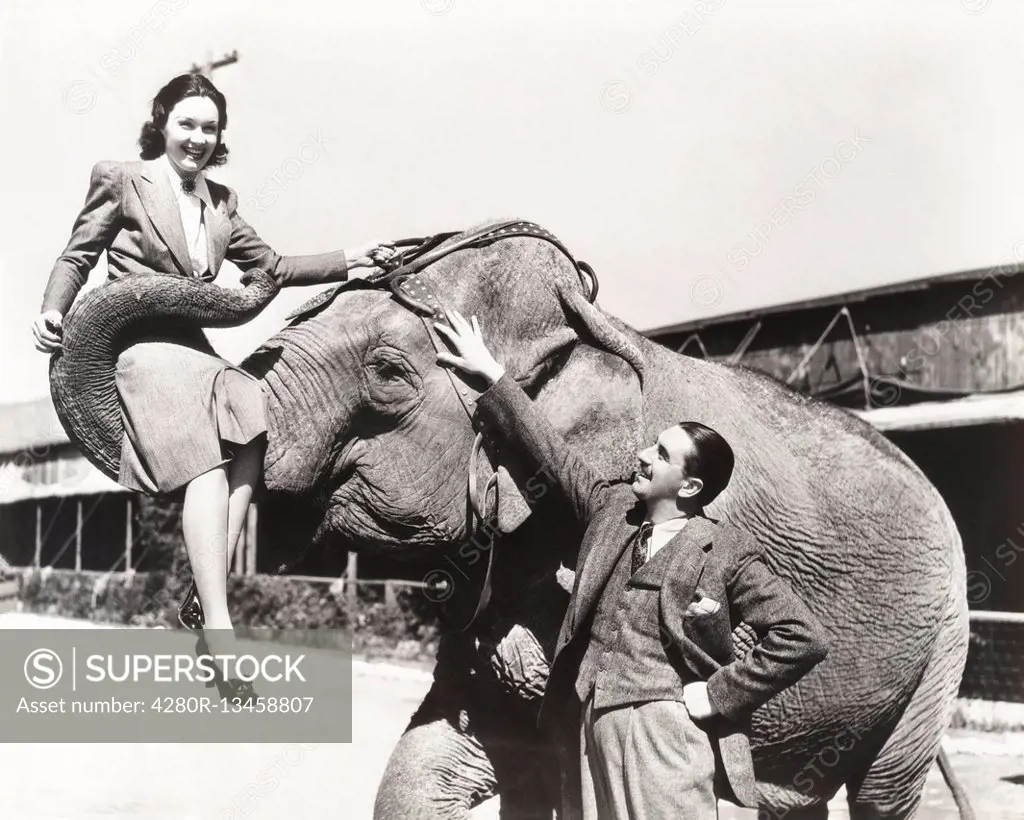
(58, 511)
(938, 366)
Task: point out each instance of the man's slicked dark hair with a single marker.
(711, 461)
(151, 140)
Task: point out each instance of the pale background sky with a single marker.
(443, 113)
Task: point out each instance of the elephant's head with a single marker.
(366, 423)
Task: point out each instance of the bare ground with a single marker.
(230, 781)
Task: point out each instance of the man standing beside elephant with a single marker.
(648, 652)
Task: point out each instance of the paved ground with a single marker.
(225, 782)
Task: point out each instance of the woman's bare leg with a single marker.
(216, 504)
(205, 524)
(243, 474)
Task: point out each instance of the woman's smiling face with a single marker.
(191, 134)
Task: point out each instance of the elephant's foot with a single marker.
(434, 772)
(447, 764)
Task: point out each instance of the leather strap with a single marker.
(418, 289)
(480, 508)
(397, 270)
(425, 251)
(468, 397)
(403, 275)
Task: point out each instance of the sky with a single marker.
(704, 156)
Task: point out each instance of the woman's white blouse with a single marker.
(191, 208)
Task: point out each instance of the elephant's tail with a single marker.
(956, 788)
(97, 327)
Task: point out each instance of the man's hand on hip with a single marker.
(695, 697)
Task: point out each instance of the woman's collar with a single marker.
(201, 189)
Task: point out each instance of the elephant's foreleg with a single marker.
(461, 749)
(435, 771)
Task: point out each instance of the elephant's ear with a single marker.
(587, 378)
(589, 321)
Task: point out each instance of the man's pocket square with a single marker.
(703, 606)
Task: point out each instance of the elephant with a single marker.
(383, 442)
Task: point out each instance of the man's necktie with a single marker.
(640, 545)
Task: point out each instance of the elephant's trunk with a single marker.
(104, 320)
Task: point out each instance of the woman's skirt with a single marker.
(183, 411)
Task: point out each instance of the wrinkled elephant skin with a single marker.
(364, 419)
(368, 429)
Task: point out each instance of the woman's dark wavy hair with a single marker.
(151, 140)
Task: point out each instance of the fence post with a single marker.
(37, 559)
(352, 582)
(9, 592)
(78, 537)
(390, 595)
(128, 534)
(251, 526)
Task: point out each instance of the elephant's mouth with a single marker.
(370, 526)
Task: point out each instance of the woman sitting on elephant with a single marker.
(192, 420)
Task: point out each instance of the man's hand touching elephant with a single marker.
(473, 356)
(46, 330)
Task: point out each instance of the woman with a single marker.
(192, 420)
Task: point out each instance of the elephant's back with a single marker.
(843, 514)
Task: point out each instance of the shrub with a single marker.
(407, 629)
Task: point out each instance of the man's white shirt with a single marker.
(663, 533)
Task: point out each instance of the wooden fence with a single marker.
(9, 593)
(9, 584)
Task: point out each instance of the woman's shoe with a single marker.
(237, 691)
(190, 613)
(203, 651)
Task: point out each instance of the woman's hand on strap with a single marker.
(46, 330)
(364, 259)
(474, 358)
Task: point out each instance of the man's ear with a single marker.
(690, 488)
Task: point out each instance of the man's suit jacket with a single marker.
(131, 212)
(708, 560)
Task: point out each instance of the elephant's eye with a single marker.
(387, 370)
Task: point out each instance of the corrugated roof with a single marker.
(839, 299)
(59, 476)
(28, 425)
(997, 408)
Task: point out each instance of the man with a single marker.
(646, 642)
